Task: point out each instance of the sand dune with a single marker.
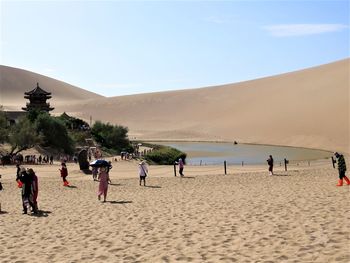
(14, 82)
(295, 216)
(308, 108)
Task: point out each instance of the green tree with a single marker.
(34, 114)
(23, 136)
(111, 136)
(54, 133)
(4, 130)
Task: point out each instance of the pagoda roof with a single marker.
(37, 91)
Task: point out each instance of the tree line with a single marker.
(63, 133)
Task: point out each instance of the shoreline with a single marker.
(238, 143)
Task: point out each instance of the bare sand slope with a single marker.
(14, 82)
(297, 216)
(307, 108)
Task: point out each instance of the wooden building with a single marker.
(37, 100)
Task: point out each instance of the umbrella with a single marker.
(100, 163)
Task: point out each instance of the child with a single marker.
(64, 174)
(94, 173)
(103, 177)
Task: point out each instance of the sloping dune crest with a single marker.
(14, 82)
(307, 108)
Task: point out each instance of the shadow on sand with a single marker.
(119, 202)
(153, 186)
(71, 186)
(3, 212)
(115, 184)
(42, 213)
(281, 175)
(187, 177)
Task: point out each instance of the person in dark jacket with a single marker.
(341, 169)
(18, 175)
(270, 163)
(35, 189)
(27, 191)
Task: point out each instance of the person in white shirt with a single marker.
(143, 170)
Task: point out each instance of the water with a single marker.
(216, 153)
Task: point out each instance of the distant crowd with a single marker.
(27, 180)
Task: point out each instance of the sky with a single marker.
(119, 48)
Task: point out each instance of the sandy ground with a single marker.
(245, 216)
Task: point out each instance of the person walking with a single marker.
(103, 177)
(181, 166)
(18, 176)
(341, 169)
(1, 188)
(143, 171)
(270, 163)
(64, 174)
(34, 189)
(27, 194)
(94, 173)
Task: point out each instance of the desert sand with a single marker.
(245, 216)
(306, 108)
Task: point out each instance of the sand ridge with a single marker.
(306, 108)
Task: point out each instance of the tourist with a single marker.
(27, 193)
(18, 176)
(181, 166)
(34, 189)
(341, 169)
(143, 170)
(51, 159)
(270, 163)
(103, 177)
(64, 174)
(94, 173)
(1, 188)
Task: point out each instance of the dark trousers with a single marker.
(180, 171)
(341, 174)
(143, 178)
(33, 206)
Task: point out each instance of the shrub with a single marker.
(165, 155)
